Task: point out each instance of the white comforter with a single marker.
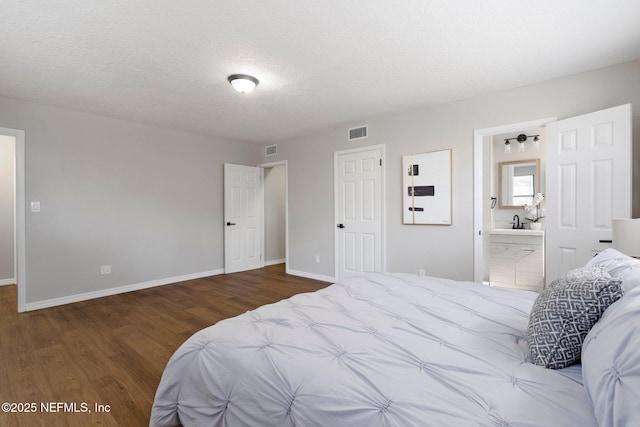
(385, 350)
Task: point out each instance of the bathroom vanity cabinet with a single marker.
(517, 259)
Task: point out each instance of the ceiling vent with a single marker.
(271, 150)
(360, 132)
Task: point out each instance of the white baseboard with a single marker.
(11, 281)
(150, 284)
(314, 276)
(119, 290)
(274, 262)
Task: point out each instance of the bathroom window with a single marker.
(523, 189)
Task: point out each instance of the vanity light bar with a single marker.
(522, 138)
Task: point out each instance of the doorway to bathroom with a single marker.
(491, 149)
(589, 184)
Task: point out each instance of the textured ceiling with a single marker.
(320, 63)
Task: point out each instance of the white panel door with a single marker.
(243, 218)
(588, 184)
(358, 200)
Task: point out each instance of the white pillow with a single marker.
(619, 265)
(611, 363)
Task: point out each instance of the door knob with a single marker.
(340, 225)
(230, 223)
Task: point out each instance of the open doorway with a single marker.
(482, 191)
(17, 243)
(275, 213)
(7, 210)
(574, 232)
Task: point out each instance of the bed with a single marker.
(390, 350)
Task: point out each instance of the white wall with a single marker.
(148, 200)
(445, 251)
(145, 200)
(274, 213)
(7, 228)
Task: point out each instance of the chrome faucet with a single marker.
(516, 224)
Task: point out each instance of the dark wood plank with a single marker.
(113, 350)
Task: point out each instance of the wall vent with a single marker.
(271, 150)
(358, 133)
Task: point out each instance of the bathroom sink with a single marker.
(517, 232)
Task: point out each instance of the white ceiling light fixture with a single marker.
(243, 83)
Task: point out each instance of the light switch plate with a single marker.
(35, 206)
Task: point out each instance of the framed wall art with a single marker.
(426, 188)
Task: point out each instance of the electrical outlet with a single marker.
(421, 272)
(105, 269)
(317, 258)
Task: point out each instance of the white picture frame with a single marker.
(426, 188)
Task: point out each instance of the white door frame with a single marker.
(20, 263)
(286, 210)
(478, 194)
(383, 239)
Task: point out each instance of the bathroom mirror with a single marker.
(518, 182)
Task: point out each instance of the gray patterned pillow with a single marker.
(565, 311)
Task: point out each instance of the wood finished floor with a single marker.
(113, 350)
